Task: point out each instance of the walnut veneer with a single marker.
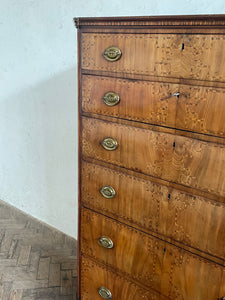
(151, 158)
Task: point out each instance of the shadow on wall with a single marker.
(39, 134)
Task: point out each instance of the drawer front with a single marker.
(156, 208)
(172, 55)
(139, 100)
(94, 276)
(170, 270)
(199, 109)
(178, 159)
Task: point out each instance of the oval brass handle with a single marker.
(112, 53)
(104, 293)
(111, 98)
(105, 242)
(108, 192)
(109, 143)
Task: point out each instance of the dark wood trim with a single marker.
(154, 30)
(79, 163)
(187, 81)
(76, 22)
(175, 21)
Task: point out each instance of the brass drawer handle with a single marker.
(108, 192)
(112, 53)
(111, 98)
(104, 293)
(109, 143)
(105, 242)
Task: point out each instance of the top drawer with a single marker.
(188, 56)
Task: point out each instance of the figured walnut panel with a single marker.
(188, 56)
(139, 100)
(94, 276)
(170, 270)
(156, 208)
(178, 159)
(199, 109)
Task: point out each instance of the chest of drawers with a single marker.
(151, 158)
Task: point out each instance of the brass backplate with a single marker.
(112, 53)
(109, 143)
(111, 98)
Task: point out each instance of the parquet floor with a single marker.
(37, 262)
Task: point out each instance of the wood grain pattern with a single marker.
(190, 134)
(173, 272)
(96, 275)
(152, 78)
(199, 57)
(199, 109)
(174, 158)
(156, 208)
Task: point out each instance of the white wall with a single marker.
(38, 98)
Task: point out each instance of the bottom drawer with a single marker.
(151, 262)
(95, 276)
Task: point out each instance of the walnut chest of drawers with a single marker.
(151, 158)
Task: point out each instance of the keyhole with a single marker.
(182, 47)
(174, 145)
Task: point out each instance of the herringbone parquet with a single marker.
(37, 262)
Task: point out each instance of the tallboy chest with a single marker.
(152, 158)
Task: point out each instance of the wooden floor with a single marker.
(36, 261)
